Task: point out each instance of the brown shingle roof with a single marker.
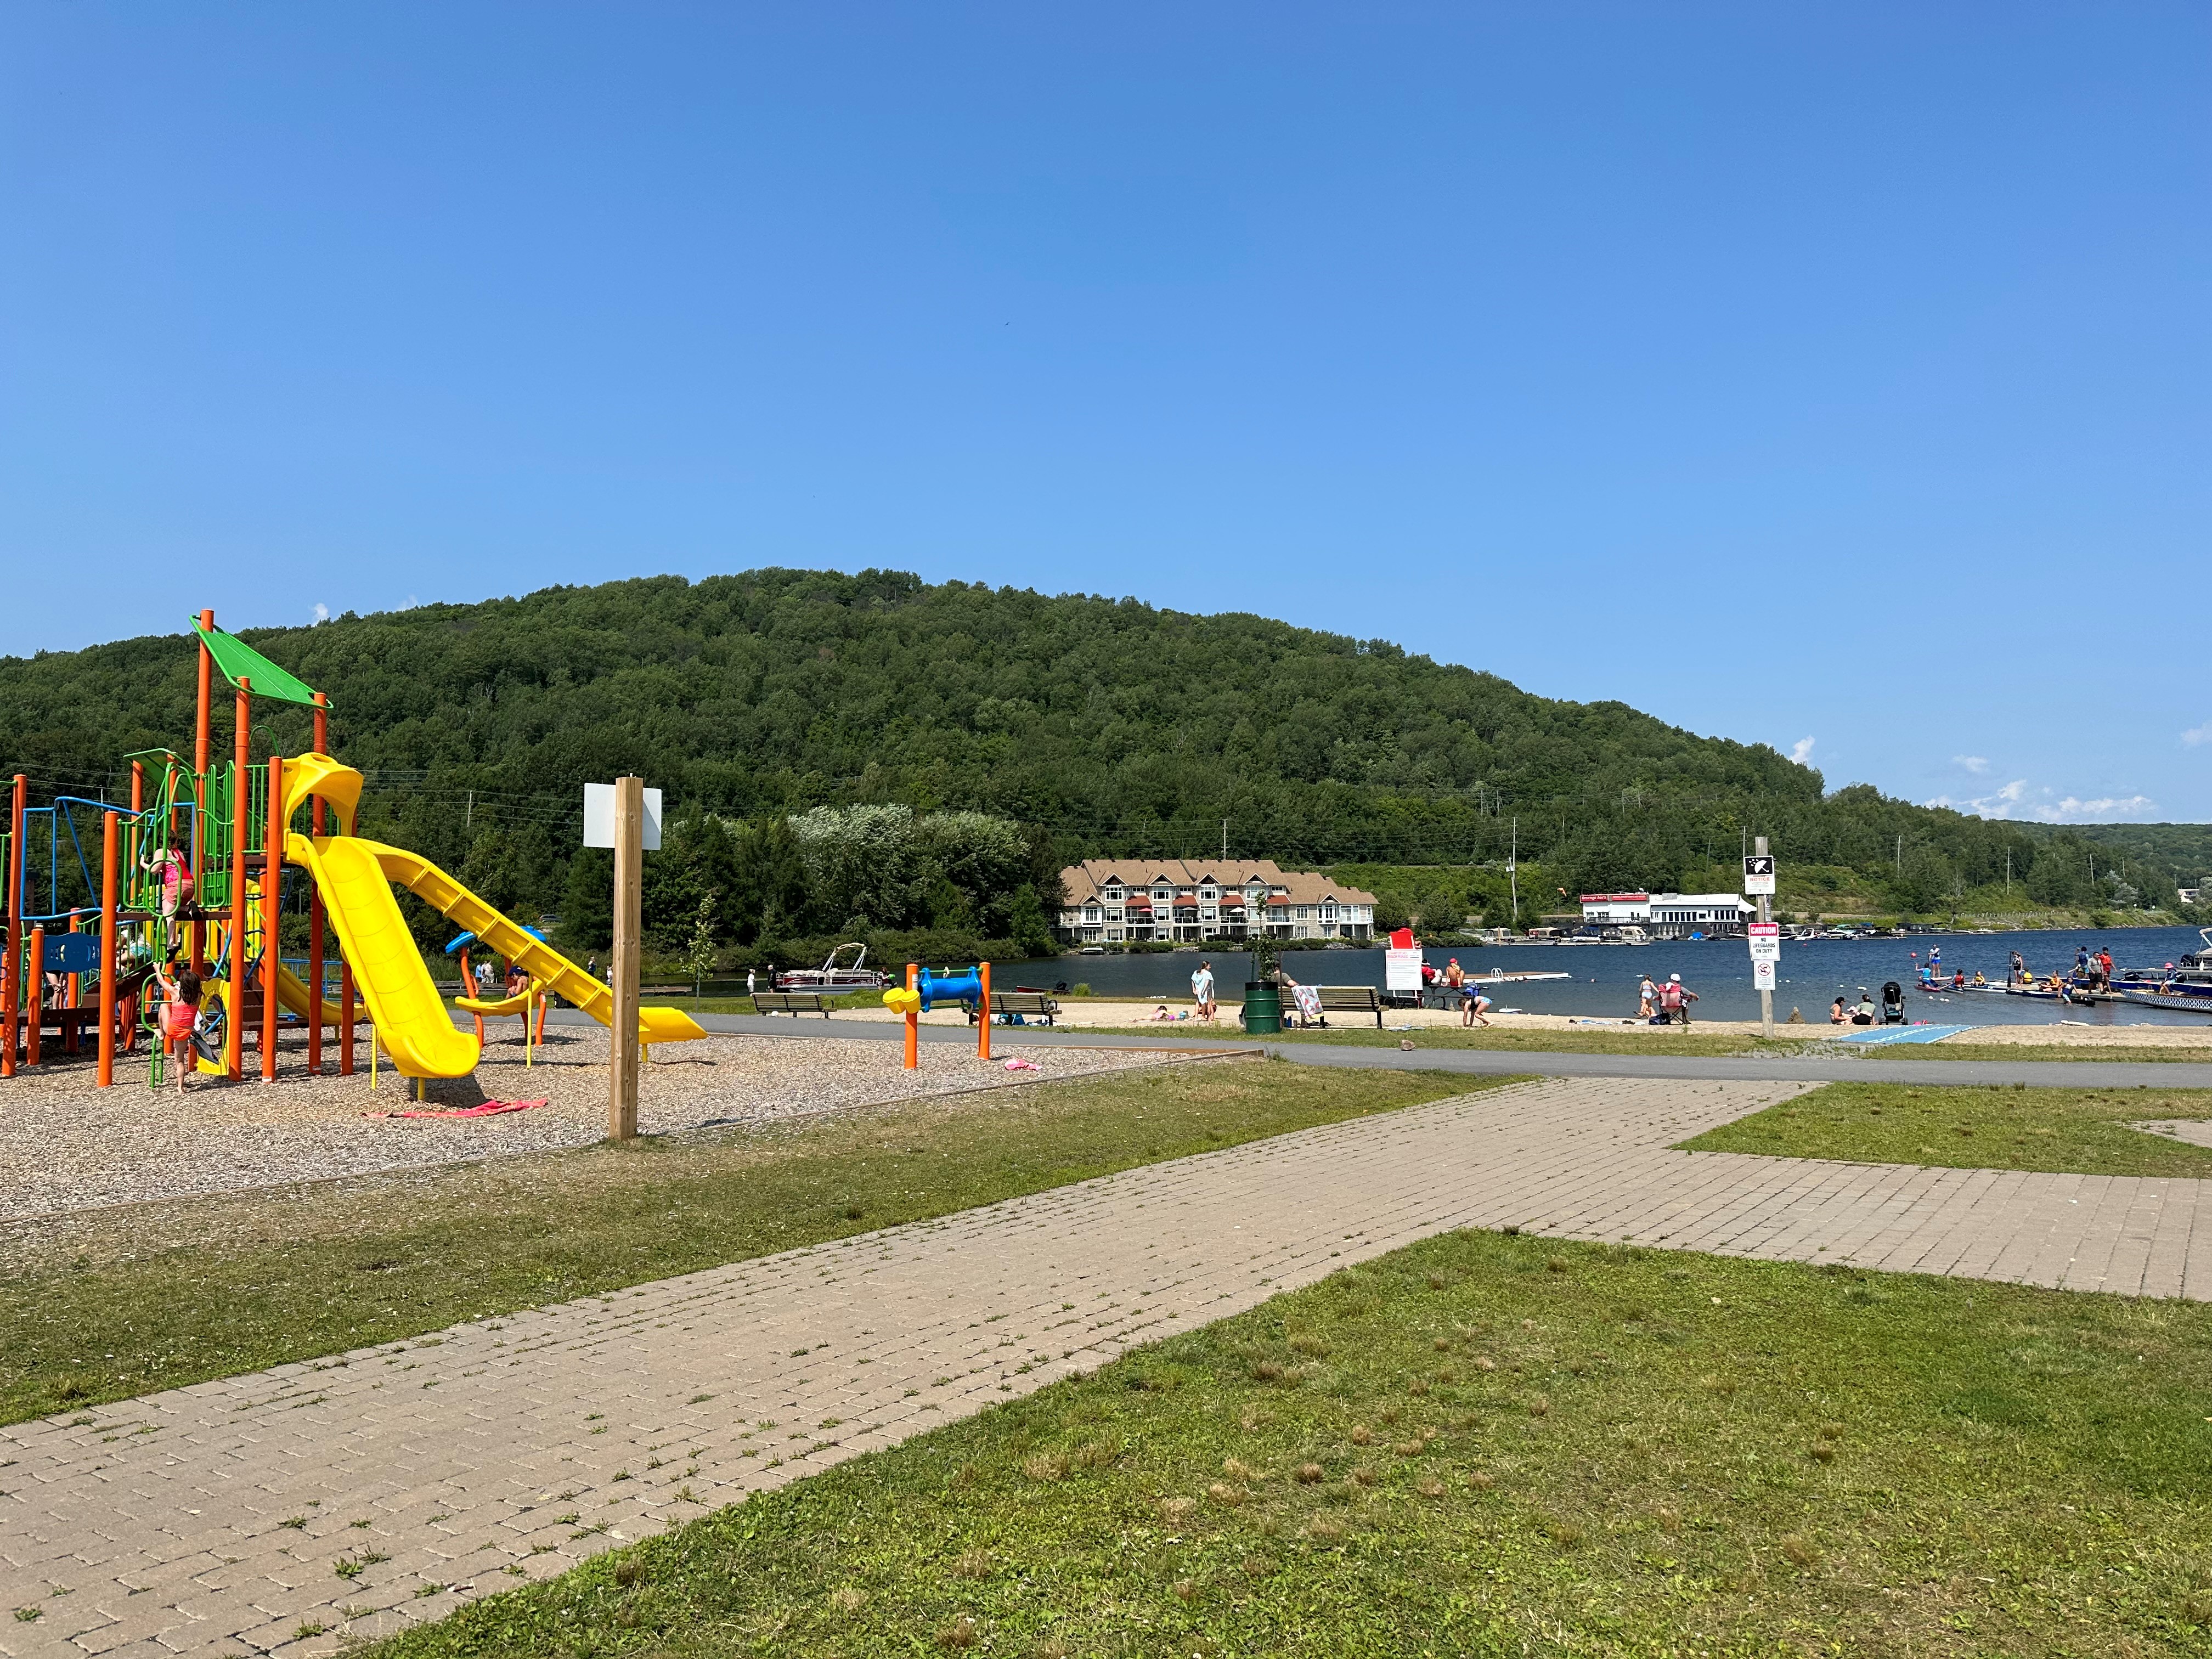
(1082, 882)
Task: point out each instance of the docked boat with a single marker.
(831, 977)
(2174, 1005)
(2183, 983)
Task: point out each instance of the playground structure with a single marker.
(923, 991)
(532, 1002)
(193, 872)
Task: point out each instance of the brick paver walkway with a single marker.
(216, 1518)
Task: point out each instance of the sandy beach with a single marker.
(1089, 1013)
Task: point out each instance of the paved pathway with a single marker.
(215, 1518)
(1829, 1066)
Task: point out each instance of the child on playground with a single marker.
(169, 866)
(180, 1017)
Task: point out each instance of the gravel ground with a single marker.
(66, 1144)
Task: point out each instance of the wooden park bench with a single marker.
(1339, 999)
(1029, 1004)
(794, 1003)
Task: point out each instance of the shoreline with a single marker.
(1088, 1013)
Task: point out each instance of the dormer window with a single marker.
(1114, 891)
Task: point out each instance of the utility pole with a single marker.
(1224, 840)
(1513, 870)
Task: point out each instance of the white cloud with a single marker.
(322, 611)
(2197, 734)
(1801, 751)
(2046, 806)
(1973, 763)
(2102, 810)
(2003, 804)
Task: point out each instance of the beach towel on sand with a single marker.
(490, 1109)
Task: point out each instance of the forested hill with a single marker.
(1104, 725)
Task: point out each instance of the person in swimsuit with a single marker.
(181, 1016)
(173, 871)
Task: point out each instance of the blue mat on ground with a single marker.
(1887, 1035)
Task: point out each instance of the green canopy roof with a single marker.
(240, 661)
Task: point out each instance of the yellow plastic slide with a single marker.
(356, 877)
(552, 970)
(403, 1004)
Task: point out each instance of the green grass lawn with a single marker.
(157, 1296)
(2070, 1131)
(1954, 1048)
(1494, 1445)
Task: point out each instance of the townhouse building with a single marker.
(1178, 901)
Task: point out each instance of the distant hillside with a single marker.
(1102, 725)
(2179, 850)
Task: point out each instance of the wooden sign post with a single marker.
(621, 1032)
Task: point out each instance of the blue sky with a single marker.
(1835, 377)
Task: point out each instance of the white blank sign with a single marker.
(600, 816)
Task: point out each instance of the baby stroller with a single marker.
(1893, 1004)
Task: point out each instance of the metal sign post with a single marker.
(1765, 935)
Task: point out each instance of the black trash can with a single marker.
(1263, 1007)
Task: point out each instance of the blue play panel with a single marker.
(1887, 1035)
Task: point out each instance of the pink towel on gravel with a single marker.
(490, 1109)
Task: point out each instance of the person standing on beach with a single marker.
(1647, 997)
(1201, 991)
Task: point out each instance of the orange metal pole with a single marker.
(273, 889)
(315, 906)
(11, 990)
(912, 1024)
(107, 838)
(137, 787)
(983, 1032)
(202, 757)
(234, 1056)
(37, 1001)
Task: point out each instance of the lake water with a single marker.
(1718, 970)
